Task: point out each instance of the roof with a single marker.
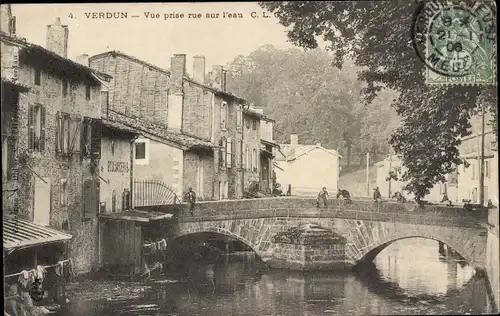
(119, 127)
(135, 59)
(10, 83)
(215, 90)
(291, 152)
(268, 142)
(157, 132)
(253, 113)
(18, 233)
(52, 60)
(137, 216)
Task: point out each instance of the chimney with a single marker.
(8, 22)
(177, 71)
(57, 38)
(224, 77)
(294, 139)
(83, 59)
(176, 92)
(216, 77)
(199, 69)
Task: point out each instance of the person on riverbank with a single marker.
(344, 194)
(377, 197)
(190, 197)
(322, 198)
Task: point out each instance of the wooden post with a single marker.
(367, 174)
(481, 170)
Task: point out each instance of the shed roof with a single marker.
(19, 233)
(132, 58)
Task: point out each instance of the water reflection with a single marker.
(409, 277)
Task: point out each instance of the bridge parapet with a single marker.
(306, 207)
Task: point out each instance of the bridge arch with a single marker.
(221, 231)
(466, 249)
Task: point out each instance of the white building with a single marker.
(462, 185)
(307, 168)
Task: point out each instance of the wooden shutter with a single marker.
(238, 118)
(75, 137)
(31, 127)
(87, 197)
(84, 138)
(222, 152)
(96, 188)
(65, 131)
(229, 152)
(91, 189)
(96, 135)
(42, 128)
(58, 133)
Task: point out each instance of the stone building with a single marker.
(52, 139)
(193, 110)
(251, 145)
(143, 94)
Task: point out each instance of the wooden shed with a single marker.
(126, 239)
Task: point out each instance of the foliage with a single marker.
(306, 97)
(376, 34)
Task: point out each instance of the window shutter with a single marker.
(75, 134)
(96, 135)
(87, 198)
(58, 133)
(229, 152)
(95, 197)
(241, 154)
(84, 139)
(238, 118)
(31, 127)
(42, 128)
(222, 116)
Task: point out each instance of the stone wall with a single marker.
(308, 257)
(136, 89)
(197, 111)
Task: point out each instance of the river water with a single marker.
(407, 278)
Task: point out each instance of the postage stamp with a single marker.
(456, 41)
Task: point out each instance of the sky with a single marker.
(220, 40)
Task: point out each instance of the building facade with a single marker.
(463, 184)
(307, 168)
(143, 94)
(52, 140)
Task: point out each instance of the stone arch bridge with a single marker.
(367, 226)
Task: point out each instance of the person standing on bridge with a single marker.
(377, 197)
(344, 194)
(322, 200)
(190, 197)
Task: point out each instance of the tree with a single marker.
(376, 34)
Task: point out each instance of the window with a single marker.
(223, 115)
(229, 153)
(486, 169)
(254, 125)
(38, 75)
(113, 201)
(63, 192)
(255, 159)
(41, 203)
(238, 155)
(90, 204)
(68, 136)
(248, 160)
(222, 152)
(88, 91)
(65, 87)
(142, 151)
(126, 200)
(9, 163)
(247, 123)
(36, 127)
(199, 179)
(91, 136)
(473, 171)
(239, 117)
